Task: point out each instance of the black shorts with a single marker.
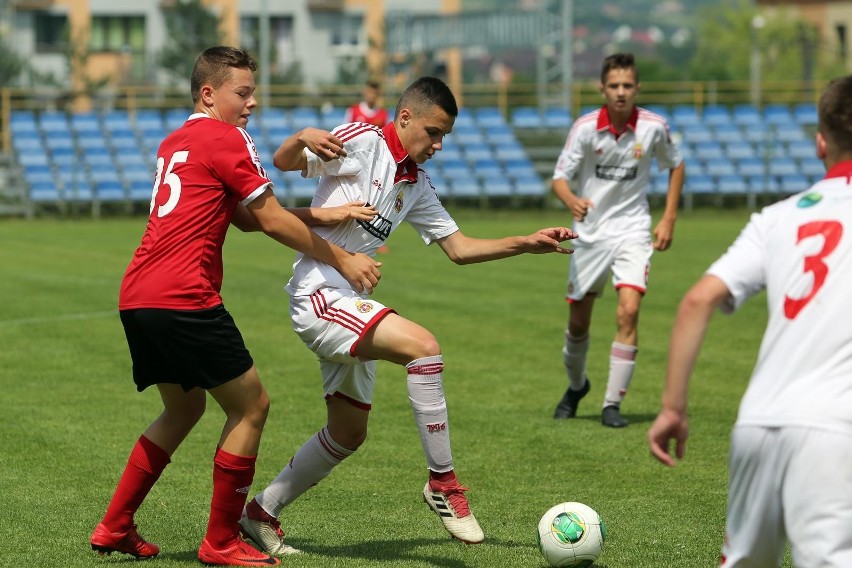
(191, 348)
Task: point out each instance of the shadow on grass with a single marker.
(631, 419)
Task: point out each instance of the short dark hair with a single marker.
(426, 92)
(619, 61)
(835, 115)
(213, 67)
(374, 85)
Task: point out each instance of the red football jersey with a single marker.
(362, 113)
(204, 169)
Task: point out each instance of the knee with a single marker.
(351, 439)
(260, 410)
(427, 346)
(627, 315)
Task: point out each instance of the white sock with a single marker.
(426, 393)
(574, 355)
(311, 464)
(622, 361)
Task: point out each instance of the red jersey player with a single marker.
(368, 110)
(181, 337)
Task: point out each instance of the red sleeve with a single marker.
(238, 164)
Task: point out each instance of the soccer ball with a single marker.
(571, 535)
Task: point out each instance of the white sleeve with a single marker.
(428, 216)
(572, 154)
(349, 165)
(667, 153)
(743, 267)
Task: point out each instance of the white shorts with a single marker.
(627, 259)
(331, 322)
(789, 483)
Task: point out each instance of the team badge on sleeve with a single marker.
(638, 151)
(363, 307)
(397, 204)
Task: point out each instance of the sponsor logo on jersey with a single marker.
(638, 151)
(809, 200)
(378, 226)
(363, 307)
(397, 204)
(615, 173)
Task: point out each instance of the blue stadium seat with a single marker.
(330, 118)
(762, 184)
(727, 132)
(299, 187)
(700, 183)
(805, 114)
(447, 152)
(22, 121)
(37, 173)
(685, 117)
(45, 191)
(775, 114)
(793, 183)
(739, 150)
(92, 141)
(455, 169)
(783, 166)
(661, 110)
(717, 115)
(529, 185)
(496, 184)
(812, 167)
(708, 150)
(110, 190)
(746, 115)
(789, 132)
(54, 123)
(174, 118)
(489, 117)
(557, 118)
(124, 144)
(63, 157)
(719, 167)
(498, 136)
(526, 117)
(467, 135)
(732, 183)
(59, 141)
(27, 141)
(464, 118)
(116, 120)
(751, 167)
(801, 149)
(148, 119)
(86, 123)
(697, 133)
(510, 152)
(474, 153)
(487, 167)
(465, 186)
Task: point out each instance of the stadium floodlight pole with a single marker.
(263, 24)
(568, 53)
(757, 23)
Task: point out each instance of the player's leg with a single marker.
(817, 497)
(149, 457)
(589, 268)
(246, 406)
(349, 390)
(574, 353)
(630, 267)
(754, 530)
(402, 341)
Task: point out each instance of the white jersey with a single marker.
(614, 171)
(376, 169)
(800, 251)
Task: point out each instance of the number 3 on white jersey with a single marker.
(171, 179)
(831, 232)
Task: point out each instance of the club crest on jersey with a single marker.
(638, 151)
(809, 200)
(377, 184)
(397, 204)
(363, 307)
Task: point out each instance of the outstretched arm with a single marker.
(310, 216)
(462, 249)
(693, 317)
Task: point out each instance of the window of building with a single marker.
(51, 32)
(118, 33)
(841, 41)
(282, 53)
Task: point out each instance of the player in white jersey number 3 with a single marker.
(348, 331)
(791, 447)
(610, 152)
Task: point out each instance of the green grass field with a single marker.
(71, 413)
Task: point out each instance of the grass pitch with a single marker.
(71, 413)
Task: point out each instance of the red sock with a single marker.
(442, 477)
(147, 461)
(232, 477)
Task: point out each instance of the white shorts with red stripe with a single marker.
(627, 259)
(331, 322)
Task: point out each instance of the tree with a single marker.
(192, 29)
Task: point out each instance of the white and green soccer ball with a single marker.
(571, 535)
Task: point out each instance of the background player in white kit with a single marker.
(791, 447)
(609, 151)
(349, 332)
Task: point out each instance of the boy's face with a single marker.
(620, 90)
(233, 101)
(422, 133)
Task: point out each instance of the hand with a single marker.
(663, 235)
(668, 426)
(580, 208)
(361, 271)
(357, 210)
(322, 143)
(547, 240)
